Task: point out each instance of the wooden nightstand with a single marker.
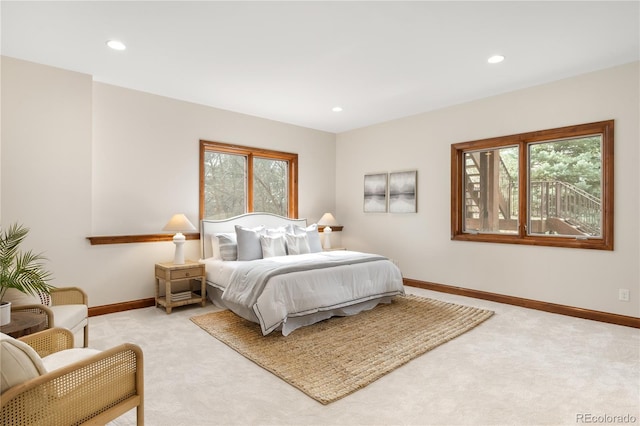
(170, 273)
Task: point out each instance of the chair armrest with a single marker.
(35, 308)
(49, 341)
(96, 389)
(68, 296)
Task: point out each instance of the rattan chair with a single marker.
(68, 308)
(94, 390)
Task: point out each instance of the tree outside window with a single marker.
(236, 180)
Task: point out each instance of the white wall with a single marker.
(421, 242)
(46, 167)
(81, 158)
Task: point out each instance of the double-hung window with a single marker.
(237, 179)
(551, 187)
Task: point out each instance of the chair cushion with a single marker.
(71, 317)
(19, 362)
(68, 356)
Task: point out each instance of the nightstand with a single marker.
(170, 273)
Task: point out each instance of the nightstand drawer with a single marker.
(187, 273)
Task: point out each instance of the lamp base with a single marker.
(327, 238)
(178, 240)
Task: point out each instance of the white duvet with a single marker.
(282, 287)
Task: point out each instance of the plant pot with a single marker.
(5, 313)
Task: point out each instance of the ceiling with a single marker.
(294, 61)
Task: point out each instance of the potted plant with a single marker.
(22, 271)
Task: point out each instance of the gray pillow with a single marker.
(248, 240)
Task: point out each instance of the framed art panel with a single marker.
(375, 193)
(403, 194)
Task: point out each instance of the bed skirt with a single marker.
(293, 322)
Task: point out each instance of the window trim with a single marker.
(605, 242)
(250, 153)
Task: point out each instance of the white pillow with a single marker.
(248, 239)
(297, 244)
(275, 232)
(273, 246)
(225, 246)
(315, 246)
(19, 362)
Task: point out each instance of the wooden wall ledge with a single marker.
(337, 228)
(153, 238)
(148, 238)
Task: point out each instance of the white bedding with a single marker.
(312, 294)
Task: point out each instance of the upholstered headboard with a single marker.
(210, 227)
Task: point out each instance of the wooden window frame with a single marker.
(522, 140)
(250, 154)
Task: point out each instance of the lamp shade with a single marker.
(179, 223)
(327, 219)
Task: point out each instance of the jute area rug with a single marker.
(333, 358)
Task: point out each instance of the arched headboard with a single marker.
(209, 227)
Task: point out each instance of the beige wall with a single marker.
(81, 158)
(46, 172)
(421, 242)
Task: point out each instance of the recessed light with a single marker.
(336, 109)
(495, 59)
(116, 45)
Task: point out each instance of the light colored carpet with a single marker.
(334, 358)
(521, 367)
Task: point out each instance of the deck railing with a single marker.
(556, 199)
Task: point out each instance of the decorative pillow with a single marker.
(297, 244)
(215, 249)
(315, 246)
(248, 239)
(273, 246)
(19, 362)
(278, 232)
(275, 232)
(227, 247)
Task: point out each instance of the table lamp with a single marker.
(326, 222)
(179, 224)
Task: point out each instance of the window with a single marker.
(551, 187)
(236, 180)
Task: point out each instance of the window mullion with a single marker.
(523, 190)
(249, 183)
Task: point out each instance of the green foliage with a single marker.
(23, 271)
(574, 161)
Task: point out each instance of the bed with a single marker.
(272, 270)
